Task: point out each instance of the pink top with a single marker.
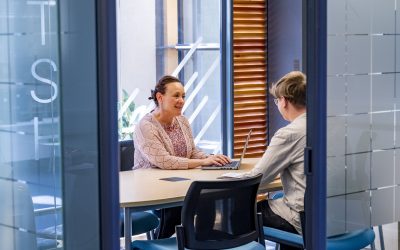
(170, 148)
(178, 139)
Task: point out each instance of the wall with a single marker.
(284, 48)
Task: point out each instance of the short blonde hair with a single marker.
(292, 86)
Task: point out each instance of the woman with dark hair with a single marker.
(163, 139)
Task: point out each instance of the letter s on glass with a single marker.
(41, 79)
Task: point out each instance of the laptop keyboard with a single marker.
(231, 165)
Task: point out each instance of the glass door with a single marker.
(363, 143)
(30, 154)
(56, 62)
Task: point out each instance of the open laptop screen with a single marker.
(245, 146)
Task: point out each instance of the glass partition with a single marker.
(175, 37)
(363, 102)
(30, 158)
(49, 160)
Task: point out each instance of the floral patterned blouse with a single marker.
(165, 148)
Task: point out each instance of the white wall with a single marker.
(136, 47)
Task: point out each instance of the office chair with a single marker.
(216, 215)
(354, 240)
(142, 222)
(17, 212)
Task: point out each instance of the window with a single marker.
(181, 38)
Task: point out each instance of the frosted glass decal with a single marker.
(30, 155)
(397, 203)
(397, 167)
(336, 168)
(363, 90)
(358, 90)
(382, 133)
(383, 89)
(336, 135)
(359, 54)
(358, 211)
(336, 99)
(383, 17)
(383, 214)
(336, 214)
(358, 16)
(383, 58)
(336, 23)
(336, 52)
(358, 133)
(382, 169)
(358, 172)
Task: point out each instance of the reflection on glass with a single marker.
(30, 165)
(363, 51)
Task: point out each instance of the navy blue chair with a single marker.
(216, 215)
(142, 222)
(354, 240)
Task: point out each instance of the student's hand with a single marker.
(219, 160)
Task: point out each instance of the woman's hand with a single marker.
(219, 160)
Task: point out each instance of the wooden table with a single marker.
(142, 189)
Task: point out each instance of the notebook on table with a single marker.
(234, 165)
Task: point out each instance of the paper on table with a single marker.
(232, 175)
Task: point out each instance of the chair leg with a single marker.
(148, 235)
(152, 234)
(381, 240)
(373, 246)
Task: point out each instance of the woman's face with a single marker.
(173, 99)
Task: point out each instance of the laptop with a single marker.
(234, 165)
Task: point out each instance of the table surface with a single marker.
(143, 187)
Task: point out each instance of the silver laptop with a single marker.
(234, 165)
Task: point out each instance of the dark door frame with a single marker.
(315, 58)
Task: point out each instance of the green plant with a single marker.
(124, 122)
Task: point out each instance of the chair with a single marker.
(354, 240)
(17, 217)
(142, 222)
(216, 215)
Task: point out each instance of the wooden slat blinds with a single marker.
(249, 76)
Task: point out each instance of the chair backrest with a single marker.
(18, 229)
(220, 214)
(126, 152)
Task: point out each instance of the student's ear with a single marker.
(285, 102)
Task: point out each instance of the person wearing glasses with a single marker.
(163, 139)
(285, 156)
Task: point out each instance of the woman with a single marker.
(163, 139)
(285, 156)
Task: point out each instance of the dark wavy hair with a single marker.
(161, 86)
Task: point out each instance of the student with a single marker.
(163, 139)
(285, 156)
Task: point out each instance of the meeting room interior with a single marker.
(199, 124)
